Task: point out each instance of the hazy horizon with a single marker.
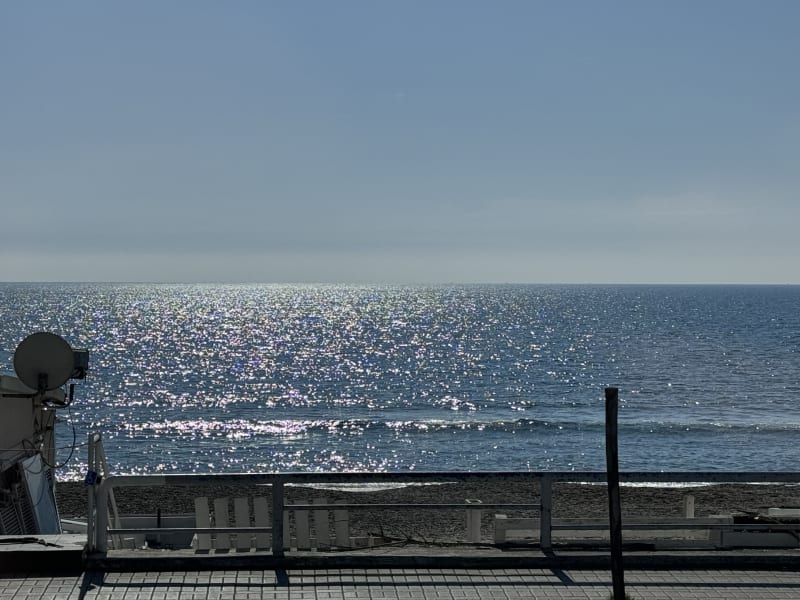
(410, 283)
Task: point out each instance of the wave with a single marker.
(244, 428)
(710, 426)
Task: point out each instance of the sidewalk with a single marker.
(405, 584)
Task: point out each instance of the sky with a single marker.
(403, 141)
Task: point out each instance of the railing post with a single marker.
(277, 517)
(474, 517)
(614, 506)
(546, 512)
(101, 530)
(688, 506)
(90, 490)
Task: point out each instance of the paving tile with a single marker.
(424, 584)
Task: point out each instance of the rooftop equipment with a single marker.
(44, 363)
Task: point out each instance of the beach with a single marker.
(570, 500)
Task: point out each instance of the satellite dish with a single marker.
(44, 361)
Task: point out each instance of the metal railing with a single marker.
(101, 496)
(97, 471)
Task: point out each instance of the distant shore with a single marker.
(569, 501)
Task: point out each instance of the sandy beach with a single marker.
(569, 501)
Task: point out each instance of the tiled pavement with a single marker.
(402, 585)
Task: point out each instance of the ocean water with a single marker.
(236, 378)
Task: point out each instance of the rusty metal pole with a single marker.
(614, 506)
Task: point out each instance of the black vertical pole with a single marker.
(614, 507)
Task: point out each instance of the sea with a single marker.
(212, 378)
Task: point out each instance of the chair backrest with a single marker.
(297, 525)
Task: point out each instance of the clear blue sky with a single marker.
(403, 141)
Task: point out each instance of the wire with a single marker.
(73, 446)
(42, 488)
(32, 472)
(47, 485)
(34, 450)
(74, 442)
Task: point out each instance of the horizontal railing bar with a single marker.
(572, 527)
(642, 526)
(764, 527)
(351, 506)
(631, 519)
(563, 527)
(134, 530)
(671, 526)
(446, 477)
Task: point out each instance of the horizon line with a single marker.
(403, 283)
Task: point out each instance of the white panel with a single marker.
(202, 519)
(41, 495)
(241, 516)
(221, 520)
(321, 525)
(261, 514)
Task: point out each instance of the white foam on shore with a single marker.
(645, 484)
(365, 487)
(680, 484)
